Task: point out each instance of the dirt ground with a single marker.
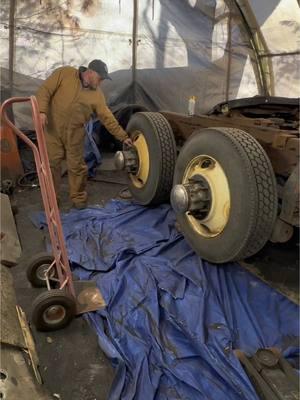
(72, 364)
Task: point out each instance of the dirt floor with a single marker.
(72, 364)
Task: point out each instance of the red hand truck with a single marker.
(55, 308)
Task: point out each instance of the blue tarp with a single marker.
(172, 320)
(92, 154)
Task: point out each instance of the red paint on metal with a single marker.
(11, 165)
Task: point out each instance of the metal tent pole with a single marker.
(134, 48)
(11, 44)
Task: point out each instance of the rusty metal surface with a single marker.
(271, 375)
(290, 199)
(281, 286)
(282, 232)
(30, 345)
(17, 382)
(263, 129)
(10, 332)
(10, 248)
(282, 146)
(88, 297)
(260, 104)
(283, 160)
(10, 160)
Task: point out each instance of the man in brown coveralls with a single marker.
(67, 99)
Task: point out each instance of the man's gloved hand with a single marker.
(128, 142)
(44, 119)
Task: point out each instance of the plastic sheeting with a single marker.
(185, 50)
(92, 155)
(172, 319)
(184, 47)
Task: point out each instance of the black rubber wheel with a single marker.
(122, 113)
(253, 193)
(125, 113)
(53, 310)
(162, 157)
(37, 265)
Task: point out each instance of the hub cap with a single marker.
(41, 272)
(54, 314)
(204, 196)
(119, 160)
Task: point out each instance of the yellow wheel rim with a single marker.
(214, 223)
(139, 179)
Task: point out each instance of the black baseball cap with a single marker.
(100, 67)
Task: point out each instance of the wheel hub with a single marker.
(128, 160)
(193, 197)
(203, 196)
(135, 160)
(54, 314)
(42, 271)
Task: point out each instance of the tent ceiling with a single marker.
(214, 49)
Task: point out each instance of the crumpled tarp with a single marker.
(92, 155)
(172, 320)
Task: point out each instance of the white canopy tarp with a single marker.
(215, 50)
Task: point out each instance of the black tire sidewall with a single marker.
(43, 302)
(242, 188)
(148, 194)
(141, 124)
(33, 267)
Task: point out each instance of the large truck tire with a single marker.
(155, 145)
(225, 194)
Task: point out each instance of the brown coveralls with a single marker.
(68, 107)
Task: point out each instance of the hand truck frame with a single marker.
(55, 308)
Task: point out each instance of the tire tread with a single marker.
(166, 139)
(264, 215)
(59, 295)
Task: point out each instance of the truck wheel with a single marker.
(53, 310)
(125, 113)
(155, 147)
(225, 195)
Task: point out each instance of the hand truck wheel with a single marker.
(37, 268)
(53, 310)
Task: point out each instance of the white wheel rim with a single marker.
(216, 220)
(139, 179)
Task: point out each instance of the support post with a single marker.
(229, 58)
(11, 41)
(134, 48)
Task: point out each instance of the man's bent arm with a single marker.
(47, 89)
(108, 120)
